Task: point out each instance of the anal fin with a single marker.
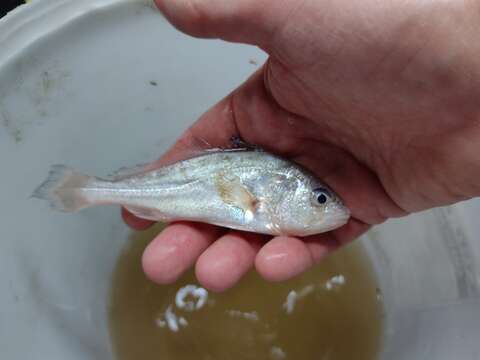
(145, 213)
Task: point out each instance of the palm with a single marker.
(357, 108)
(390, 98)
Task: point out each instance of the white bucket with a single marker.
(98, 84)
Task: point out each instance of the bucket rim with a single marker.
(30, 22)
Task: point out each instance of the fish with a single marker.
(245, 189)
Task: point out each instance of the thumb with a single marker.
(248, 113)
(247, 21)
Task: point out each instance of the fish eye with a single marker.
(322, 199)
(322, 195)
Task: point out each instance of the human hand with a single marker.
(380, 101)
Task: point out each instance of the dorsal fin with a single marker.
(128, 171)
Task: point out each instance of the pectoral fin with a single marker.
(235, 193)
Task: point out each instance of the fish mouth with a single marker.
(331, 222)
(337, 216)
(339, 220)
(338, 211)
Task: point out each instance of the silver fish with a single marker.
(243, 189)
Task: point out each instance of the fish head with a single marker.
(308, 207)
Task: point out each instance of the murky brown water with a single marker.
(329, 313)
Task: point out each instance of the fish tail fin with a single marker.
(63, 189)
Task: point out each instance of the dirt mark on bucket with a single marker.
(5, 119)
(35, 93)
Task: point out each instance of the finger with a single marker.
(286, 257)
(250, 21)
(176, 249)
(224, 263)
(135, 222)
(283, 258)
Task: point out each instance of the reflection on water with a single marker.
(330, 313)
